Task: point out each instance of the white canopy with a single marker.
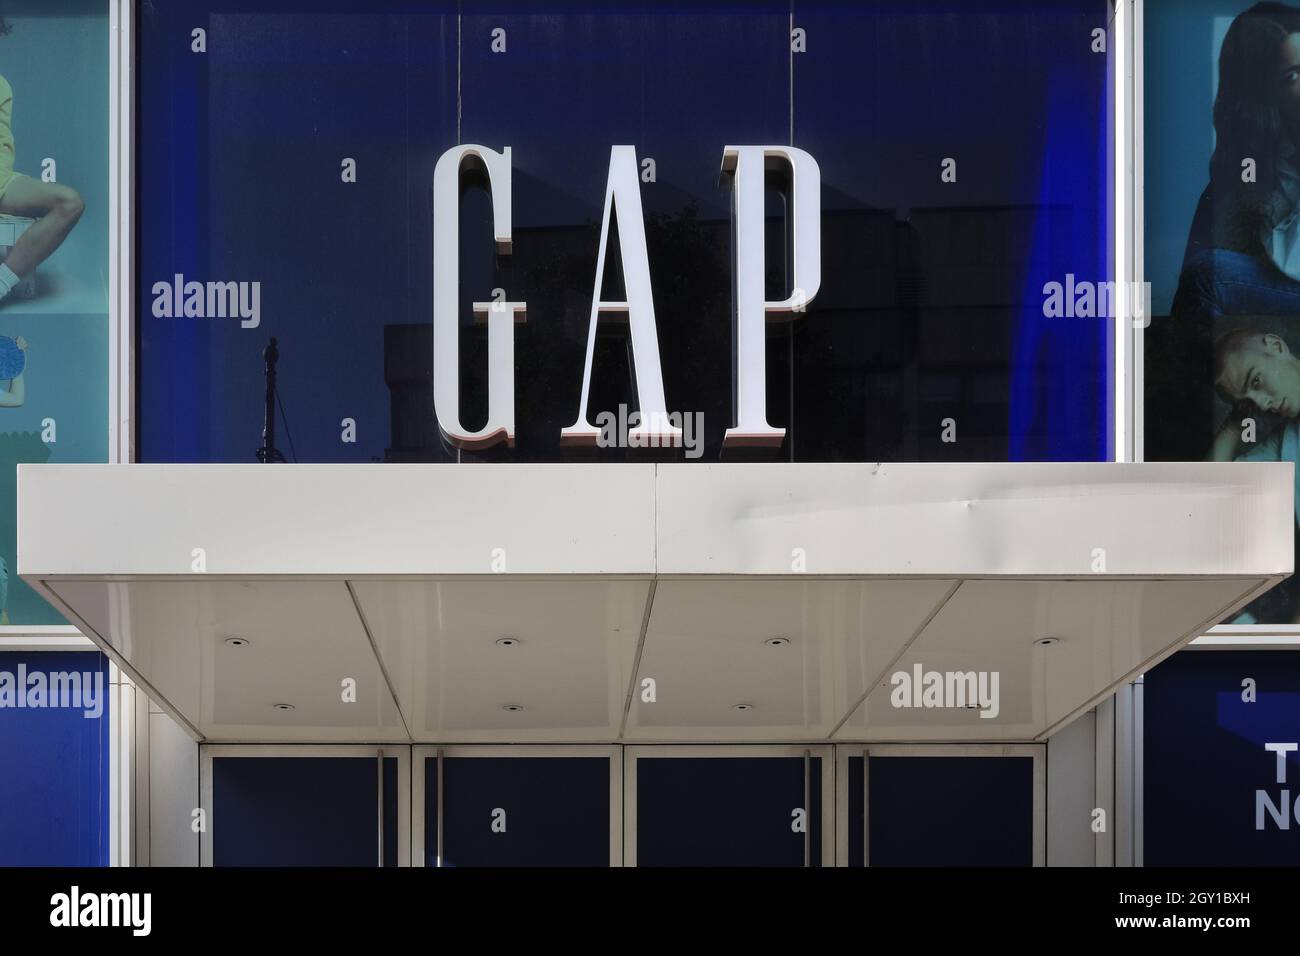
(608, 602)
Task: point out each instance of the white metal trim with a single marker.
(1139, 772)
(121, 420)
(1248, 637)
(1106, 759)
(1136, 131)
(44, 637)
(842, 753)
(122, 752)
(1123, 237)
(115, 781)
(1122, 821)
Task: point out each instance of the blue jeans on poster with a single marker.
(1220, 284)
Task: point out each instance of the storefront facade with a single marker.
(680, 435)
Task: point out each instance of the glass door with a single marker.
(728, 806)
(932, 805)
(305, 806)
(518, 806)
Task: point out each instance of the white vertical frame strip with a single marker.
(442, 798)
(121, 248)
(120, 713)
(1137, 213)
(115, 814)
(141, 803)
(205, 804)
(126, 767)
(418, 756)
(1122, 67)
(1104, 777)
(1139, 754)
(843, 754)
(1123, 823)
(121, 751)
(840, 758)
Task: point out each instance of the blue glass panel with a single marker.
(54, 796)
(301, 811)
(944, 811)
(553, 811)
(724, 811)
(1205, 762)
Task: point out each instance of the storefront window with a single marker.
(285, 171)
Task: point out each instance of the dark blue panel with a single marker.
(724, 811)
(945, 811)
(931, 303)
(301, 811)
(54, 795)
(1205, 762)
(239, 159)
(556, 811)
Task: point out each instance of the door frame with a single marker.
(401, 751)
(1038, 752)
(420, 753)
(633, 753)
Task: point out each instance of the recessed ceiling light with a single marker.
(508, 642)
(284, 707)
(743, 707)
(513, 708)
(1047, 641)
(777, 641)
(237, 641)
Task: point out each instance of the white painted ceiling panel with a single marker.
(1101, 631)
(568, 668)
(707, 649)
(304, 640)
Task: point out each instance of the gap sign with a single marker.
(743, 167)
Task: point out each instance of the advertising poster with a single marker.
(1222, 210)
(54, 228)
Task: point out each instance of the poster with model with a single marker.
(1222, 206)
(54, 228)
